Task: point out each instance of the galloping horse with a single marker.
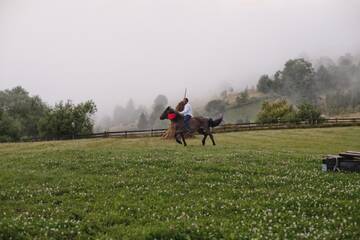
(197, 124)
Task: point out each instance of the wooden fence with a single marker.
(330, 122)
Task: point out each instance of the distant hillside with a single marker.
(238, 110)
(244, 113)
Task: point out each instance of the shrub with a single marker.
(308, 112)
(275, 111)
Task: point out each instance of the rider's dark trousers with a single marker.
(186, 121)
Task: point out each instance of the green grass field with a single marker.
(252, 185)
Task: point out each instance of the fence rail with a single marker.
(230, 127)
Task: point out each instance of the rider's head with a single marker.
(186, 100)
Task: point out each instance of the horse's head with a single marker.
(164, 115)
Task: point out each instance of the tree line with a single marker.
(23, 116)
(303, 88)
(303, 91)
(334, 87)
(131, 117)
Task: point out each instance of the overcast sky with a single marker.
(111, 50)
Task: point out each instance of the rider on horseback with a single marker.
(198, 124)
(187, 113)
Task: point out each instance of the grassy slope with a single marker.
(246, 113)
(262, 184)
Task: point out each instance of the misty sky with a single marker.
(111, 50)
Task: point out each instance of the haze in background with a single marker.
(110, 51)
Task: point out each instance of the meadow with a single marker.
(252, 185)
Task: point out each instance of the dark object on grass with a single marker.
(345, 161)
(197, 124)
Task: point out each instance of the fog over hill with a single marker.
(111, 51)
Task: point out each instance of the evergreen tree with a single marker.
(265, 84)
(215, 107)
(143, 122)
(159, 106)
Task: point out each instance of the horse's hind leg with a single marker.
(212, 139)
(183, 139)
(204, 139)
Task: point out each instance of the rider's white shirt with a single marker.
(187, 110)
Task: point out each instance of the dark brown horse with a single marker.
(197, 124)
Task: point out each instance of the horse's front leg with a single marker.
(183, 139)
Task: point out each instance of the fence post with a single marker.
(125, 134)
(152, 132)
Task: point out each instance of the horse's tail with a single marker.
(216, 122)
